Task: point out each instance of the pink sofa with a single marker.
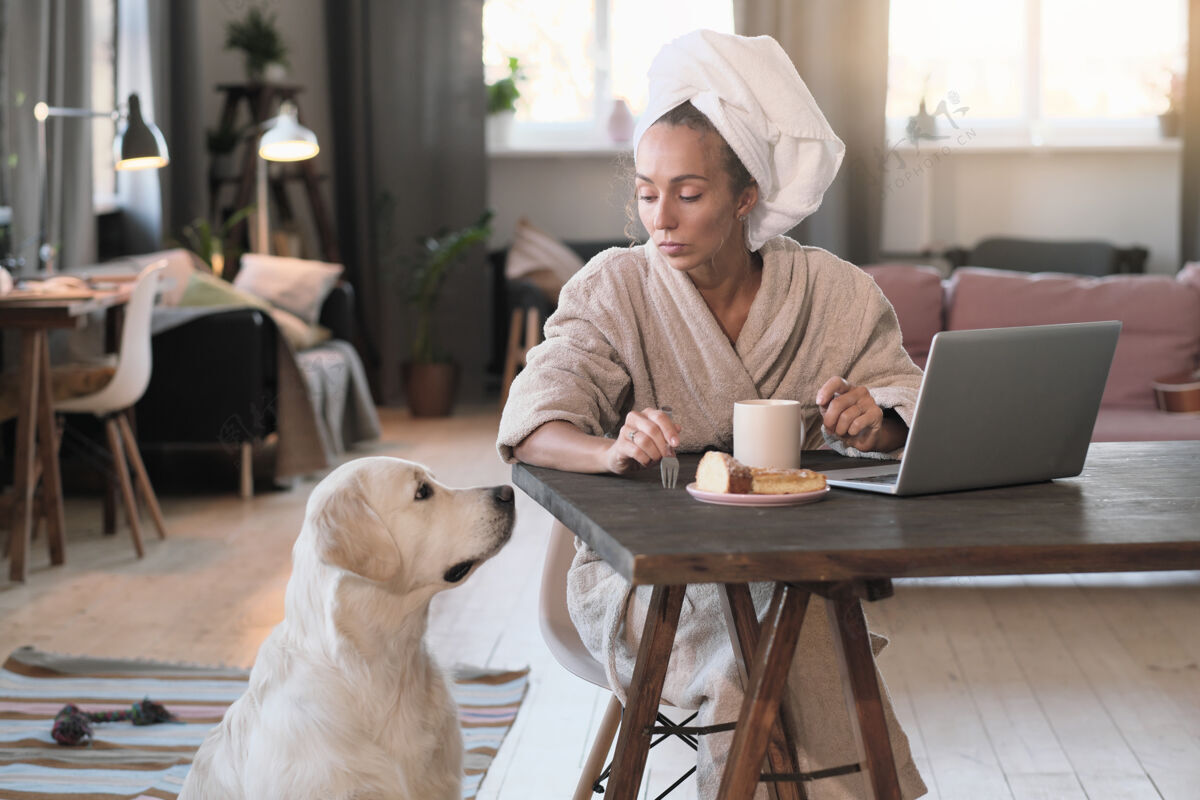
(1161, 333)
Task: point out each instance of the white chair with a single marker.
(113, 401)
(568, 649)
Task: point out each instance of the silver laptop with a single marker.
(999, 407)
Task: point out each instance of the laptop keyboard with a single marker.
(879, 478)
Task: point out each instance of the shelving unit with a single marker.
(261, 102)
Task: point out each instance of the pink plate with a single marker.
(722, 499)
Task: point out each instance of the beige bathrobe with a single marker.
(631, 333)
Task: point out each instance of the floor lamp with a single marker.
(139, 145)
(284, 139)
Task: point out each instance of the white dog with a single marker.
(344, 701)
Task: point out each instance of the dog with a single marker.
(344, 701)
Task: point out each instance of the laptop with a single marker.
(999, 407)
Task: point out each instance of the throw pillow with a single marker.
(293, 284)
(204, 289)
(539, 258)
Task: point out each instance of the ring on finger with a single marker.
(632, 435)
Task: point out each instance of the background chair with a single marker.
(1033, 255)
(112, 403)
(568, 649)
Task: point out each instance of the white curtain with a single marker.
(840, 50)
(139, 192)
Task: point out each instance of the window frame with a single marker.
(1033, 130)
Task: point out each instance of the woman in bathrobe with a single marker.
(717, 307)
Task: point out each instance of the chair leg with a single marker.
(119, 466)
(247, 488)
(110, 506)
(600, 747)
(134, 456)
(512, 355)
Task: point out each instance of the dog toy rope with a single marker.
(73, 725)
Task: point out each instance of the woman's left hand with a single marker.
(851, 414)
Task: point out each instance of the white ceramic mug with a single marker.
(768, 433)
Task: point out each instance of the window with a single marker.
(104, 97)
(1041, 69)
(577, 56)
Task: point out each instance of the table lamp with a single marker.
(138, 145)
(284, 139)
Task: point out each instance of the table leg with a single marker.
(764, 693)
(864, 702)
(645, 692)
(51, 476)
(744, 632)
(32, 342)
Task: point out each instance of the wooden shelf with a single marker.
(262, 101)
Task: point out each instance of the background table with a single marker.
(35, 416)
(1135, 507)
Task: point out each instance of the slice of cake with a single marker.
(721, 473)
(785, 481)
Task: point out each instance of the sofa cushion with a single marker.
(297, 285)
(1161, 316)
(916, 293)
(203, 289)
(541, 259)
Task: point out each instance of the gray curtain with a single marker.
(406, 81)
(179, 110)
(1189, 207)
(44, 58)
(840, 50)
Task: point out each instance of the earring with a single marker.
(742, 218)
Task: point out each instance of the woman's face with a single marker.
(684, 198)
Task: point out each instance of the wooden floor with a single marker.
(1057, 687)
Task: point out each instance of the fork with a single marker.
(669, 466)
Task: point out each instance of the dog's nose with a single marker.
(503, 494)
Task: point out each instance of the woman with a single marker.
(717, 307)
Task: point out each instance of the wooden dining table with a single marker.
(34, 317)
(1135, 507)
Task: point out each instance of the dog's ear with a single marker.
(352, 536)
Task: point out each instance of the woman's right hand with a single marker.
(647, 437)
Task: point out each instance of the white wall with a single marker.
(576, 197)
(1123, 196)
(1127, 197)
(302, 26)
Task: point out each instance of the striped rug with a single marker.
(150, 762)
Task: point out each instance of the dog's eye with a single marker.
(423, 492)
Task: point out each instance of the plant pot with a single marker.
(498, 129)
(429, 388)
(275, 73)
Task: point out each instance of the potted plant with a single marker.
(208, 242)
(1169, 122)
(430, 376)
(260, 42)
(502, 105)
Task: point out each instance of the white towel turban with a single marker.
(752, 94)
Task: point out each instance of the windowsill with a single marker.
(587, 149)
(1019, 147)
(978, 146)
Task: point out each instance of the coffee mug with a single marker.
(768, 433)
